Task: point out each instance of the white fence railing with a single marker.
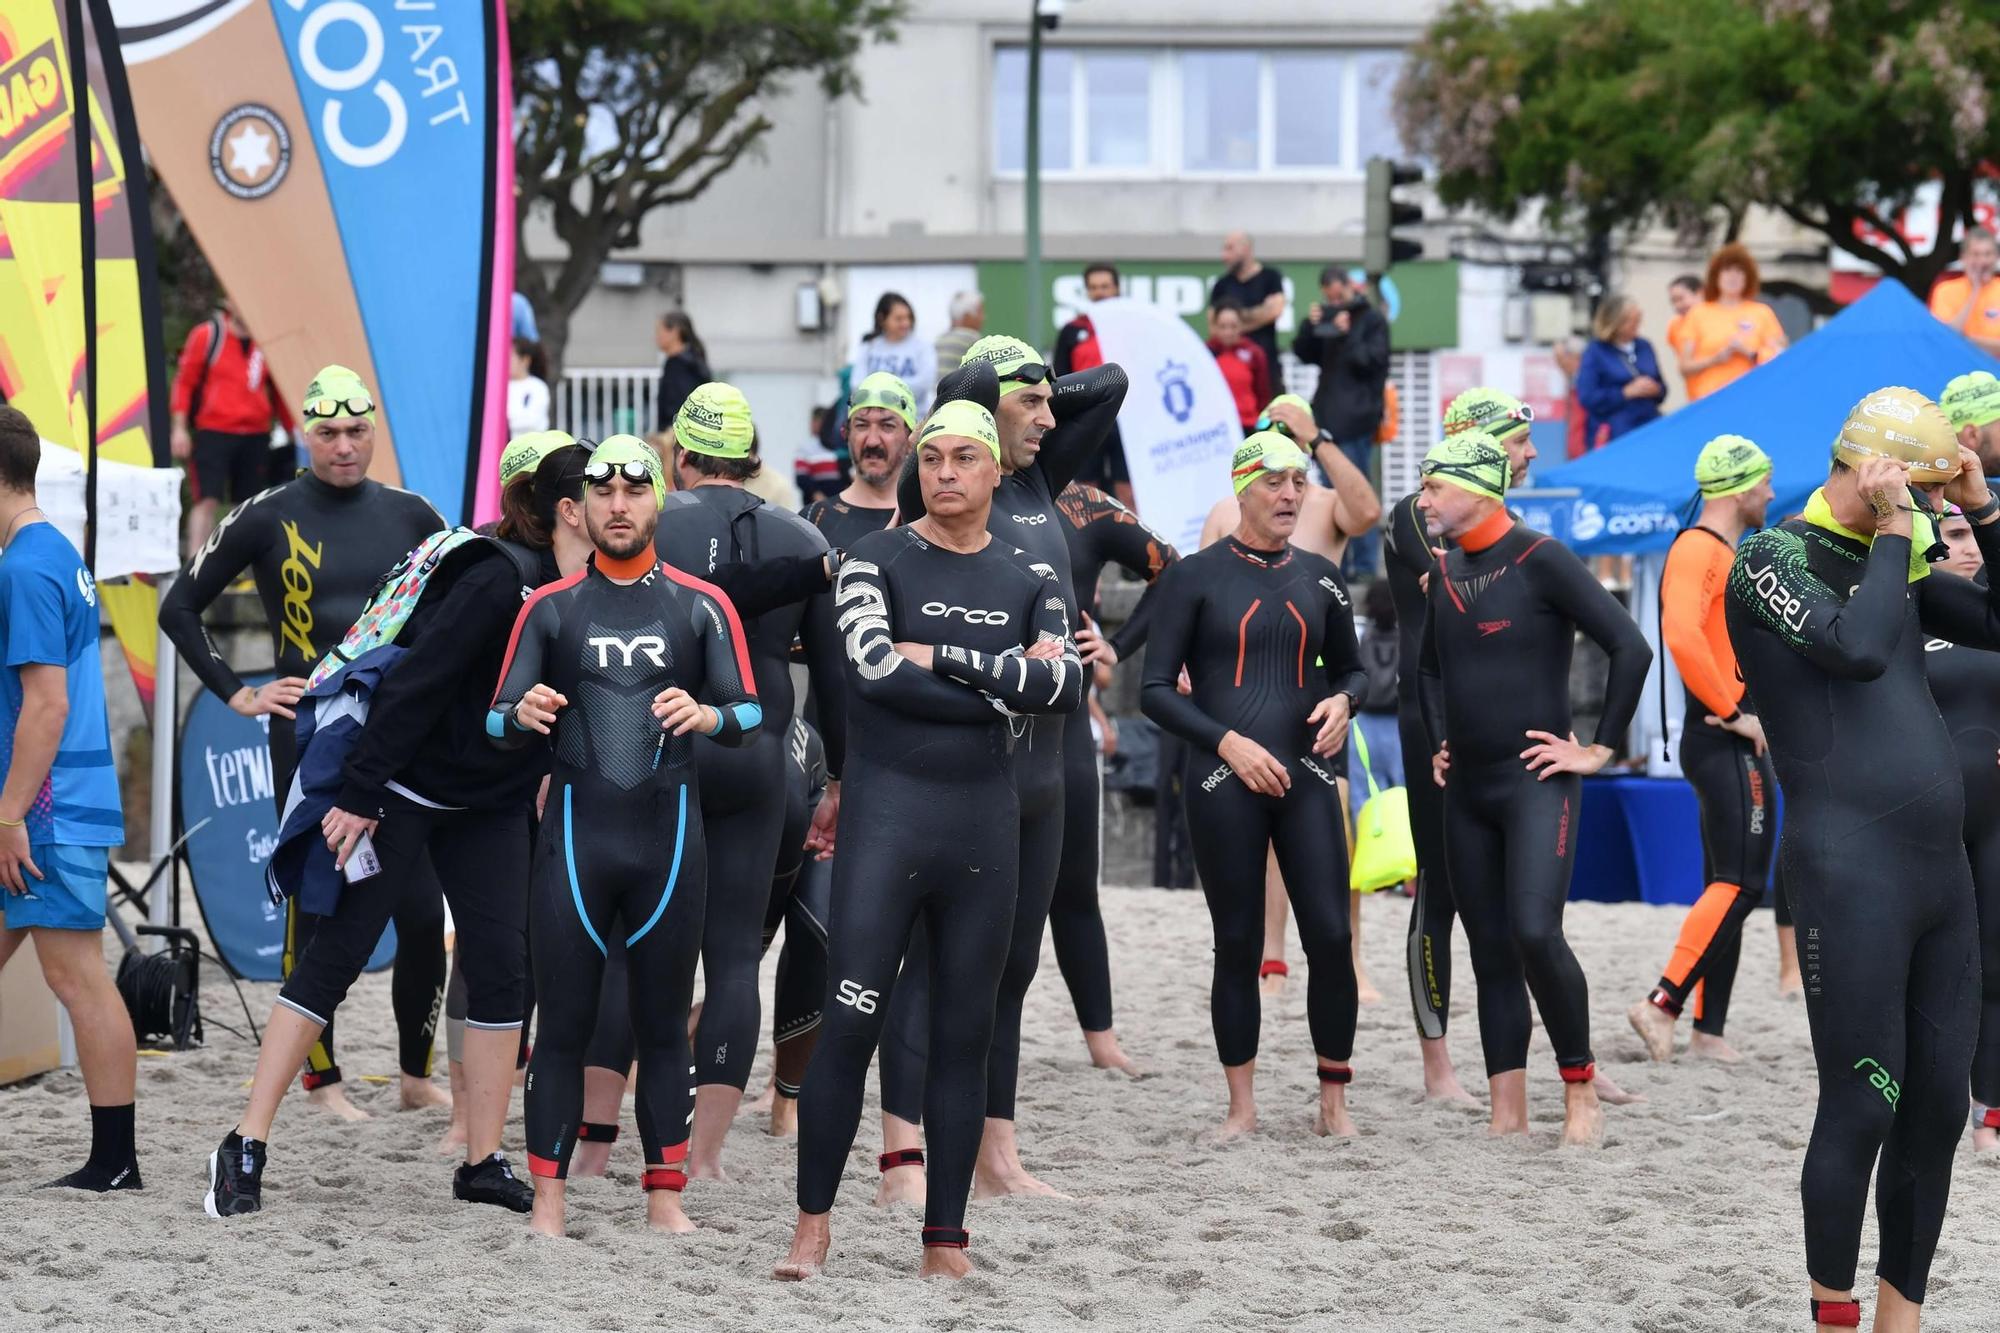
(592, 403)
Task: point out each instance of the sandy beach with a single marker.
(1687, 1220)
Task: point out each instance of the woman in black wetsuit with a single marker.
(1267, 636)
(950, 637)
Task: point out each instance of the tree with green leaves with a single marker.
(1623, 113)
(625, 106)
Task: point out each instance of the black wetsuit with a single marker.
(316, 551)
(1966, 684)
(1829, 634)
(1265, 636)
(801, 900)
(1407, 547)
(743, 812)
(1024, 515)
(1100, 531)
(1500, 628)
(621, 852)
(930, 830)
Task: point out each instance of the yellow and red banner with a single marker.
(47, 350)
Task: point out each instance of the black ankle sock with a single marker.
(114, 1162)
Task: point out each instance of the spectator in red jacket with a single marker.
(1245, 368)
(1077, 348)
(224, 409)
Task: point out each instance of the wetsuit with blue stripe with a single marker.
(621, 855)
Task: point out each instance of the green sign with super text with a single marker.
(1422, 298)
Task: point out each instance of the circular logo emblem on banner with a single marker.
(250, 151)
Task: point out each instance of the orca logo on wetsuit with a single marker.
(652, 645)
(971, 615)
(1031, 518)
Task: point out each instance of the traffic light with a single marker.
(1384, 214)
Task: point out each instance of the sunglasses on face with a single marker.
(322, 408)
(597, 473)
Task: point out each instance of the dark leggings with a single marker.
(1231, 827)
(1075, 918)
(1429, 943)
(1889, 952)
(627, 871)
(1736, 790)
(478, 856)
(416, 989)
(742, 839)
(955, 877)
(1510, 840)
(800, 1000)
(1982, 845)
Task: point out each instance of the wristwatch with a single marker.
(834, 558)
(1986, 513)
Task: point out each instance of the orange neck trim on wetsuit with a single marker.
(634, 566)
(1489, 530)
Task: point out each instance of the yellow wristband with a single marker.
(12, 823)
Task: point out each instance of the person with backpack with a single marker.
(224, 406)
(315, 548)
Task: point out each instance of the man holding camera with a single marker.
(1348, 339)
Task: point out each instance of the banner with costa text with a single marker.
(1178, 423)
(47, 347)
(347, 167)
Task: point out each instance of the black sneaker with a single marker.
(235, 1177)
(492, 1181)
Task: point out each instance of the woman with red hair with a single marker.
(1730, 332)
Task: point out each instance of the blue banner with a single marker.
(226, 797)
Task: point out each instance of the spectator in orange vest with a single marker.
(1970, 302)
(1730, 333)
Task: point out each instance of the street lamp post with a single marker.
(1041, 14)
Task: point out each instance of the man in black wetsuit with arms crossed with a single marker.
(1500, 626)
(931, 815)
(316, 547)
(1828, 614)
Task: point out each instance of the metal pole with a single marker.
(1034, 175)
(166, 689)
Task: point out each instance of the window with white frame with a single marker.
(1208, 111)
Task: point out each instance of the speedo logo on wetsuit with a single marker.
(1487, 628)
(296, 574)
(971, 615)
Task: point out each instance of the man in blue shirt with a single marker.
(59, 808)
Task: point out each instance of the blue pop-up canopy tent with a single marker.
(1628, 496)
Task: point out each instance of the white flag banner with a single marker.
(1179, 421)
(138, 511)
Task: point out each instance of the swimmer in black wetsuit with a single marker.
(801, 901)
(1500, 626)
(621, 665)
(1266, 634)
(1828, 614)
(316, 547)
(1966, 685)
(930, 823)
(1048, 431)
(1410, 558)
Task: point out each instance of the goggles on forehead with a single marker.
(1271, 460)
(1029, 372)
(1479, 475)
(597, 472)
(325, 407)
(886, 398)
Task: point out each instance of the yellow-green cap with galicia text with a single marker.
(1971, 400)
(1265, 451)
(715, 419)
(1006, 354)
(1472, 461)
(965, 419)
(524, 453)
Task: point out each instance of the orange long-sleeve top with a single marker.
(1691, 619)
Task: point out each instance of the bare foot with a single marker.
(332, 1099)
(810, 1242)
(765, 1100)
(903, 1184)
(1272, 983)
(1234, 1126)
(1448, 1089)
(1106, 1053)
(420, 1093)
(1015, 1180)
(1655, 1027)
(1611, 1094)
(546, 1218)
(590, 1157)
(1332, 1118)
(1985, 1140)
(1707, 1046)
(706, 1171)
(664, 1212)
(1790, 986)
(1583, 1117)
(784, 1117)
(945, 1261)
(453, 1142)
(1364, 989)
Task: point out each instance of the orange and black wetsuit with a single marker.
(1735, 786)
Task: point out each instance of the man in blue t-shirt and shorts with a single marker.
(59, 808)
